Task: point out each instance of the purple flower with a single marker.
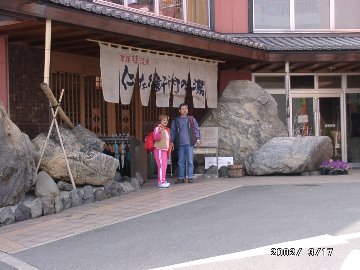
(335, 165)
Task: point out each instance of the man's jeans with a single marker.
(185, 153)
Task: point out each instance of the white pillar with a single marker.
(47, 51)
(287, 93)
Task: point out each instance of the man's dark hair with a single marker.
(183, 104)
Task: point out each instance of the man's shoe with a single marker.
(190, 180)
(178, 181)
(164, 185)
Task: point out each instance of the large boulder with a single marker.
(17, 165)
(87, 164)
(247, 117)
(287, 155)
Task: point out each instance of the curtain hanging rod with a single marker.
(157, 52)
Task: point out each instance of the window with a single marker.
(197, 11)
(171, 8)
(272, 14)
(312, 14)
(353, 81)
(271, 82)
(302, 82)
(306, 15)
(144, 5)
(347, 14)
(329, 81)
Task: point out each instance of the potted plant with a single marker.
(334, 167)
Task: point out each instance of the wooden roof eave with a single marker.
(314, 56)
(107, 24)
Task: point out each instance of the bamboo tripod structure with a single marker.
(54, 103)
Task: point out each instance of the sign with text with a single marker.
(222, 161)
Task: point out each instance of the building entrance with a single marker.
(318, 115)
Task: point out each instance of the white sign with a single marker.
(303, 118)
(223, 161)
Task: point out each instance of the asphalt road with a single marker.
(238, 220)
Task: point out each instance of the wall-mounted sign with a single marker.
(303, 118)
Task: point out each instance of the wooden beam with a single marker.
(321, 56)
(137, 31)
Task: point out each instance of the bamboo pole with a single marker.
(54, 103)
(63, 148)
(47, 51)
(48, 136)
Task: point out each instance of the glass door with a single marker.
(318, 116)
(303, 114)
(330, 122)
(353, 127)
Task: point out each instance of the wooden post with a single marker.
(82, 100)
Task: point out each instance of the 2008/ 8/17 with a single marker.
(297, 252)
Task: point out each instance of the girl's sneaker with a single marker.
(164, 185)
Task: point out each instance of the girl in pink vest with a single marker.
(162, 149)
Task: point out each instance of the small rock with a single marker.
(99, 194)
(127, 187)
(139, 177)
(223, 171)
(22, 212)
(88, 194)
(35, 207)
(6, 216)
(135, 183)
(76, 197)
(65, 199)
(48, 205)
(113, 189)
(59, 207)
(45, 185)
(63, 186)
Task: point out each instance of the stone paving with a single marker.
(45, 229)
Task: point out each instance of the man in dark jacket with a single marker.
(185, 134)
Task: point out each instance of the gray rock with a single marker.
(113, 189)
(17, 165)
(286, 155)
(125, 178)
(65, 199)
(87, 166)
(63, 186)
(76, 197)
(6, 216)
(88, 194)
(59, 207)
(126, 187)
(247, 118)
(45, 185)
(22, 212)
(223, 171)
(88, 139)
(139, 177)
(48, 203)
(35, 206)
(135, 183)
(99, 194)
(211, 170)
